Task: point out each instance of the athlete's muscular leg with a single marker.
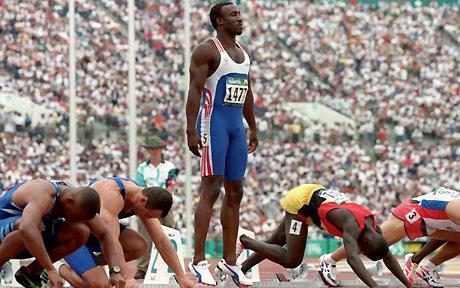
(11, 246)
(448, 236)
(203, 213)
(94, 278)
(230, 218)
(453, 211)
(133, 244)
(278, 238)
(289, 256)
(392, 230)
(70, 237)
(448, 251)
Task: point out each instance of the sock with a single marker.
(428, 264)
(329, 259)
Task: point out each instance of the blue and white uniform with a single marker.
(84, 259)
(433, 209)
(10, 213)
(220, 121)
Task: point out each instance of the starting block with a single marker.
(281, 278)
(158, 271)
(298, 274)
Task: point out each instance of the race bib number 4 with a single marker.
(333, 196)
(295, 227)
(235, 91)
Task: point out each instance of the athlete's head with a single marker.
(372, 244)
(79, 204)
(226, 16)
(155, 202)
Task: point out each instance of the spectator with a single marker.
(155, 172)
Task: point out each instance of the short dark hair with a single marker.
(158, 198)
(89, 202)
(216, 12)
(377, 246)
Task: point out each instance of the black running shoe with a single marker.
(27, 280)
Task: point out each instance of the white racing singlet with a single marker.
(220, 123)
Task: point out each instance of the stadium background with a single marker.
(389, 71)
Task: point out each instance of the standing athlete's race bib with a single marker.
(235, 91)
(333, 196)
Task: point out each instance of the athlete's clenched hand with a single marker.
(117, 281)
(194, 143)
(253, 142)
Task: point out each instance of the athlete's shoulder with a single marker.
(41, 184)
(37, 189)
(206, 50)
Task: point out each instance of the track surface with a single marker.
(450, 276)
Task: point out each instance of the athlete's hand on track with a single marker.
(117, 281)
(186, 283)
(131, 283)
(194, 143)
(54, 279)
(253, 142)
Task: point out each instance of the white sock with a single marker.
(330, 260)
(428, 264)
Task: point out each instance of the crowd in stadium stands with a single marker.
(394, 70)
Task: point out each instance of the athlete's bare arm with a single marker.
(203, 64)
(37, 196)
(111, 248)
(248, 111)
(393, 265)
(111, 204)
(392, 230)
(427, 249)
(351, 233)
(166, 249)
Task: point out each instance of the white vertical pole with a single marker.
(72, 96)
(132, 95)
(188, 160)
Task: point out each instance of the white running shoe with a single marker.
(431, 277)
(328, 272)
(235, 272)
(409, 267)
(202, 273)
